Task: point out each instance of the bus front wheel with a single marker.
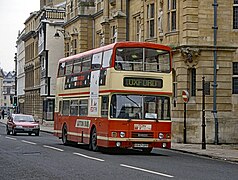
(93, 140)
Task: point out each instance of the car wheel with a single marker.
(29, 134)
(64, 135)
(93, 140)
(37, 133)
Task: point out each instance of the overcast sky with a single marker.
(13, 14)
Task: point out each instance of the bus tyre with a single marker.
(64, 135)
(37, 133)
(93, 140)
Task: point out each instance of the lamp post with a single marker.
(215, 73)
(15, 92)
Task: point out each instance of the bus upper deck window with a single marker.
(77, 66)
(107, 58)
(69, 68)
(129, 59)
(86, 63)
(97, 60)
(61, 69)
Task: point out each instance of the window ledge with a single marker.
(152, 39)
(172, 33)
(235, 30)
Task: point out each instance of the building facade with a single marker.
(188, 27)
(50, 50)
(33, 101)
(37, 55)
(1, 88)
(8, 91)
(20, 71)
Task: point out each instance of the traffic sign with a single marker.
(185, 96)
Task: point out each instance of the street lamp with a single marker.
(15, 97)
(57, 35)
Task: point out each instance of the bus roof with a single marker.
(116, 45)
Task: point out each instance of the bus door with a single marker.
(58, 125)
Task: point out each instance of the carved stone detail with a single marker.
(190, 56)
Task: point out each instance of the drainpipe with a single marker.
(127, 20)
(93, 33)
(215, 73)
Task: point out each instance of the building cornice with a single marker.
(32, 15)
(75, 19)
(206, 47)
(28, 35)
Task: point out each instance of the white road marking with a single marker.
(50, 147)
(148, 171)
(89, 157)
(11, 138)
(28, 142)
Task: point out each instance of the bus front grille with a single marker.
(142, 135)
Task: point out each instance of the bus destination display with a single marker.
(143, 82)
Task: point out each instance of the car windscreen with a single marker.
(23, 119)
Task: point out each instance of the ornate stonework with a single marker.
(190, 56)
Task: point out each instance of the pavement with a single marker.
(225, 152)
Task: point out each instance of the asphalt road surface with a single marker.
(24, 157)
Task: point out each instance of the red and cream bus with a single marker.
(118, 95)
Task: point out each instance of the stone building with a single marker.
(37, 55)
(188, 27)
(90, 24)
(32, 102)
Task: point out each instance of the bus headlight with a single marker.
(161, 135)
(122, 134)
(114, 134)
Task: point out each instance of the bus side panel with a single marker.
(78, 129)
(102, 126)
(57, 125)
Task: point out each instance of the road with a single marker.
(44, 157)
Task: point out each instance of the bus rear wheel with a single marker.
(64, 135)
(93, 140)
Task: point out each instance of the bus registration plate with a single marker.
(141, 145)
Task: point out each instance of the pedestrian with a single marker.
(3, 114)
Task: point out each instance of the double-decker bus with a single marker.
(118, 95)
